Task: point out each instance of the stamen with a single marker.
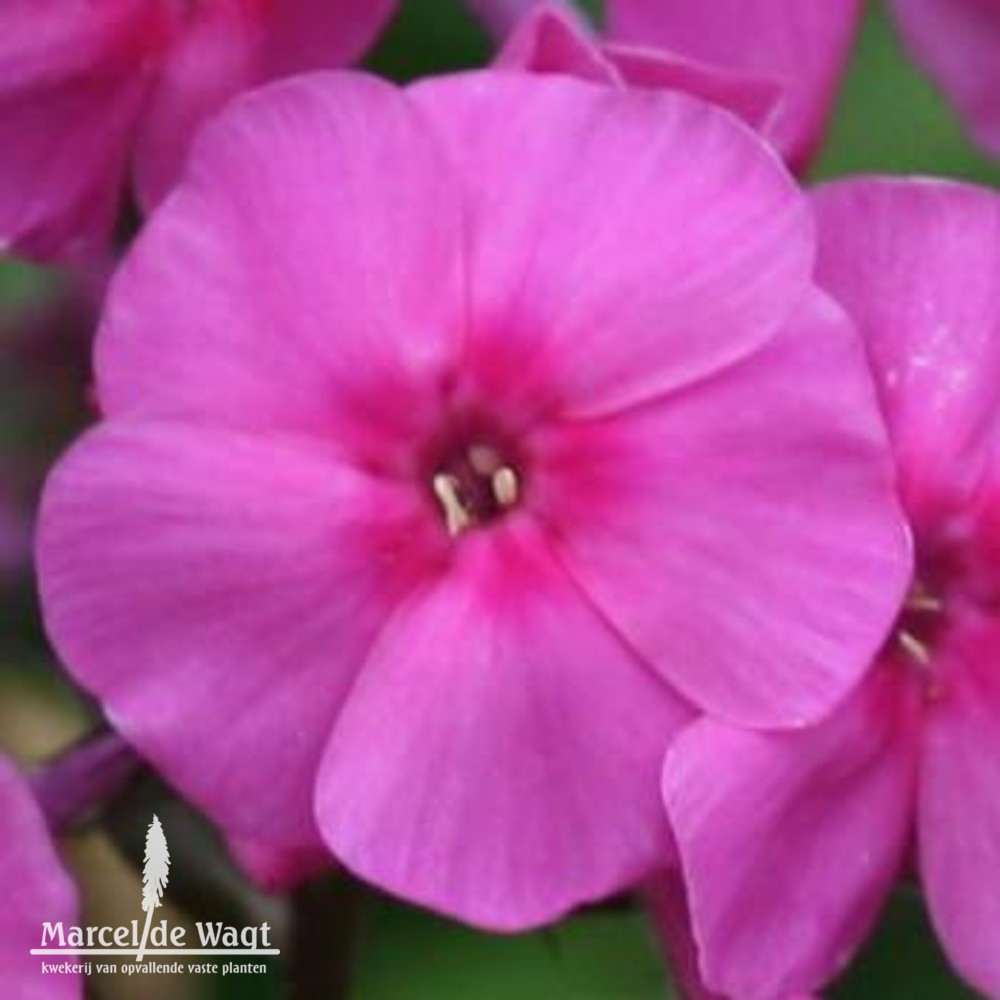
(914, 648)
(918, 602)
(446, 489)
(505, 486)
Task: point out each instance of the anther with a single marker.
(446, 489)
(914, 648)
(505, 486)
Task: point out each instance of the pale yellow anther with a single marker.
(456, 516)
(920, 601)
(914, 648)
(505, 486)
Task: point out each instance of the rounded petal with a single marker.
(498, 757)
(218, 592)
(801, 46)
(620, 243)
(72, 78)
(959, 819)
(744, 535)
(36, 888)
(915, 264)
(298, 278)
(790, 842)
(958, 43)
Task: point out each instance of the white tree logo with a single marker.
(155, 872)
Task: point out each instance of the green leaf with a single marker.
(406, 954)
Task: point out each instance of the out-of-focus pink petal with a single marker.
(553, 40)
(743, 534)
(318, 34)
(36, 888)
(277, 867)
(299, 277)
(959, 814)
(498, 757)
(915, 263)
(958, 42)
(620, 243)
(790, 842)
(72, 78)
(227, 46)
(217, 589)
(215, 56)
(802, 47)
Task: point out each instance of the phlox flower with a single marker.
(790, 842)
(36, 888)
(96, 92)
(958, 43)
(460, 443)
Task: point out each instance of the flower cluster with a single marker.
(515, 488)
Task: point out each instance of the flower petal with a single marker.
(958, 43)
(71, 84)
(498, 758)
(552, 40)
(744, 535)
(218, 592)
(620, 243)
(959, 817)
(315, 34)
(915, 264)
(215, 55)
(36, 888)
(298, 278)
(790, 842)
(801, 46)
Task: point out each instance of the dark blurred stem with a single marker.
(83, 778)
(326, 917)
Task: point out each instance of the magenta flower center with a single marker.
(474, 483)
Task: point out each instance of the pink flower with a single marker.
(800, 48)
(553, 40)
(790, 842)
(422, 490)
(36, 888)
(91, 92)
(958, 42)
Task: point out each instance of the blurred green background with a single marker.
(890, 119)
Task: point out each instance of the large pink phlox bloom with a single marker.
(310, 350)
